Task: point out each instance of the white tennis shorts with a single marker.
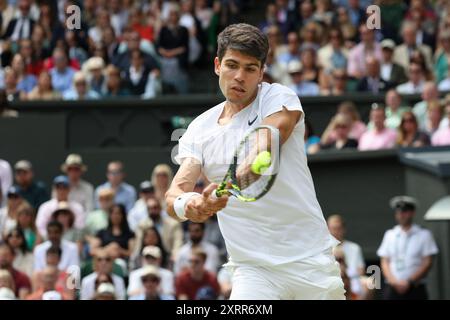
(314, 278)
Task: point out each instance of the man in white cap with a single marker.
(80, 89)
(406, 254)
(151, 279)
(151, 256)
(81, 191)
(391, 72)
(300, 86)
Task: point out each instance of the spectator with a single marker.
(53, 258)
(403, 52)
(114, 86)
(22, 284)
(310, 35)
(139, 78)
(49, 278)
(44, 89)
(65, 216)
(409, 134)
(25, 82)
(141, 25)
(434, 116)
(394, 110)
(334, 84)
(444, 85)
(98, 219)
(61, 187)
(124, 193)
(442, 56)
(81, 191)
(62, 74)
(310, 69)
(117, 238)
(151, 256)
(103, 267)
(442, 136)
(311, 140)
(34, 62)
(357, 128)
(80, 89)
(94, 68)
(372, 82)
(8, 12)
(169, 229)
(341, 125)
(23, 258)
(196, 240)
(69, 255)
(151, 279)
(405, 269)
(119, 15)
(378, 137)
(190, 281)
(103, 21)
(105, 291)
(300, 86)
(6, 177)
(22, 26)
(357, 56)
(193, 25)
(173, 46)
(348, 30)
(139, 211)
(109, 40)
(7, 283)
(430, 93)
(293, 50)
(161, 179)
(333, 55)
(416, 80)
(148, 236)
(8, 214)
(26, 222)
(354, 265)
(33, 191)
(391, 72)
(11, 82)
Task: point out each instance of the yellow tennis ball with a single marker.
(261, 162)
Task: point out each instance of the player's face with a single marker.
(239, 76)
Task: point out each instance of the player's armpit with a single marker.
(284, 120)
(184, 181)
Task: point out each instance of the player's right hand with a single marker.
(200, 208)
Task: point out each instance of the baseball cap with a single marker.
(23, 165)
(73, 160)
(388, 43)
(150, 271)
(7, 294)
(13, 190)
(403, 203)
(51, 295)
(294, 66)
(153, 251)
(106, 288)
(61, 180)
(146, 186)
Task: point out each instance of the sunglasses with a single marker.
(150, 279)
(114, 173)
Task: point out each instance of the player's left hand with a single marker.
(201, 208)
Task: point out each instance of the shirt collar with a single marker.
(414, 229)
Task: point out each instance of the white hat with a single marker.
(95, 63)
(150, 271)
(51, 295)
(73, 160)
(106, 288)
(294, 66)
(153, 251)
(388, 43)
(7, 294)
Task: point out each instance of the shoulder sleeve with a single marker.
(189, 145)
(277, 97)
(429, 247)
(383, 250)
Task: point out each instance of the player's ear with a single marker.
(217, 65)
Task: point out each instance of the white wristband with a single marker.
(180, 203)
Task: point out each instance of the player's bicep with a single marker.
(285, 121)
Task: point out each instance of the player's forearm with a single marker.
(171, 195)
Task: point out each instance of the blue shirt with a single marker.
(125, 194)
(62, 81)
(27, 84)
(72, 94)
(306, 88)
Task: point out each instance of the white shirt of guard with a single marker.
(354, 261)
(166, 286)
(69, 256)
(285, 225)
(88, 287)
(406, 250)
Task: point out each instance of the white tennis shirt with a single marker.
(287, 223)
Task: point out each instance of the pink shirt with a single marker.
(357, 58)
(374, 140)
(441, 137)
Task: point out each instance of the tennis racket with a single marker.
(254, 166)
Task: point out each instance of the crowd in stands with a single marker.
(108, 242)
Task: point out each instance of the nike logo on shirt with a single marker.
(253, 121)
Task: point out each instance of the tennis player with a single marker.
(279, 245)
